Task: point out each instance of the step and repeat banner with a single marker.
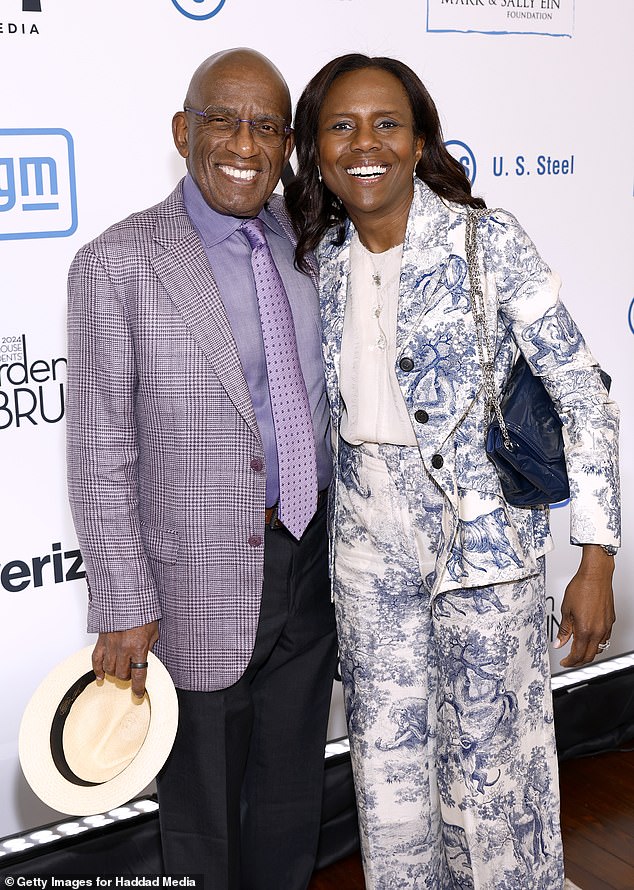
(535, 99)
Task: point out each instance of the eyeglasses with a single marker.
(264, 130)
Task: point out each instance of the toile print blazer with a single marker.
(165, 459)
(484, 540)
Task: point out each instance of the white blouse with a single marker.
(374, 409)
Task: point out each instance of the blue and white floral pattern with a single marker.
(438, 582)
(448, 703)
(435, 329)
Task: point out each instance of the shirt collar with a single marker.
(214, 227)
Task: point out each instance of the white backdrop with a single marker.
(88, 92)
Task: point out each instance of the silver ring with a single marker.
(138, 665)
(603, 646)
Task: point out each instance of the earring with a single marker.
(318, 172)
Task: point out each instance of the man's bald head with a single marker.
(240, 62)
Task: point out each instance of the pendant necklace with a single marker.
(384, 275)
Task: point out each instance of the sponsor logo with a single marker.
(199, 9)
(539, 165)
(461, 152)
(37, 184)
(521, 165)
(31, 391)
(554, 18)
(26, 26)
(55, 567)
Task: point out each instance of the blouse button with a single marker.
(421, 416)
(437, 461)
(406, 364)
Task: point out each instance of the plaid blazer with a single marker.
(164, 454)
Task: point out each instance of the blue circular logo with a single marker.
(199, 9)
(630, 316)
(461, 152)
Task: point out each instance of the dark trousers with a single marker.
(240, 795)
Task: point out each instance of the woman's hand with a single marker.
(587, 610)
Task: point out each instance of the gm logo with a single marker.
(461, 152)
(631, 316)
(199, 9)
(37, 184)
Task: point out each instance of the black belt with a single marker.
(270, 514)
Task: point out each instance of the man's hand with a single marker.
(115, 652)
(587, 610)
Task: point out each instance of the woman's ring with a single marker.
(141, 665)
(603, 646)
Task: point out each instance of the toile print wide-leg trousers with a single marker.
(448, 702)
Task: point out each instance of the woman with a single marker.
(438, 582)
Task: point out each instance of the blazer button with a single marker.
(406, 364)
(257, 464)
(255, 541)
(437, 461)
(421, 416)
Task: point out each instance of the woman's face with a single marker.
(366, 146)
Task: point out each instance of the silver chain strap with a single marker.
(485, 348)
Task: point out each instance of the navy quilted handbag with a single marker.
(531, 463)
(524, 439)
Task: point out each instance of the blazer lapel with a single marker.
(334, 271)
(423, 268)
(184, 272)
(425, 251)
(277, 207)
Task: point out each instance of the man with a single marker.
(182, 483)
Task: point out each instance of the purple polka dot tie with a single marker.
(292, 417)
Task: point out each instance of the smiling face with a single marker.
(235, 175)
(367, 150)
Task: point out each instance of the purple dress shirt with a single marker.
(229, 256)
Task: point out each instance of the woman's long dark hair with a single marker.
(313, 208)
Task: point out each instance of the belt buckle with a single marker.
(274, 522)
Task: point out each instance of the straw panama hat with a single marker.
(87, 747)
